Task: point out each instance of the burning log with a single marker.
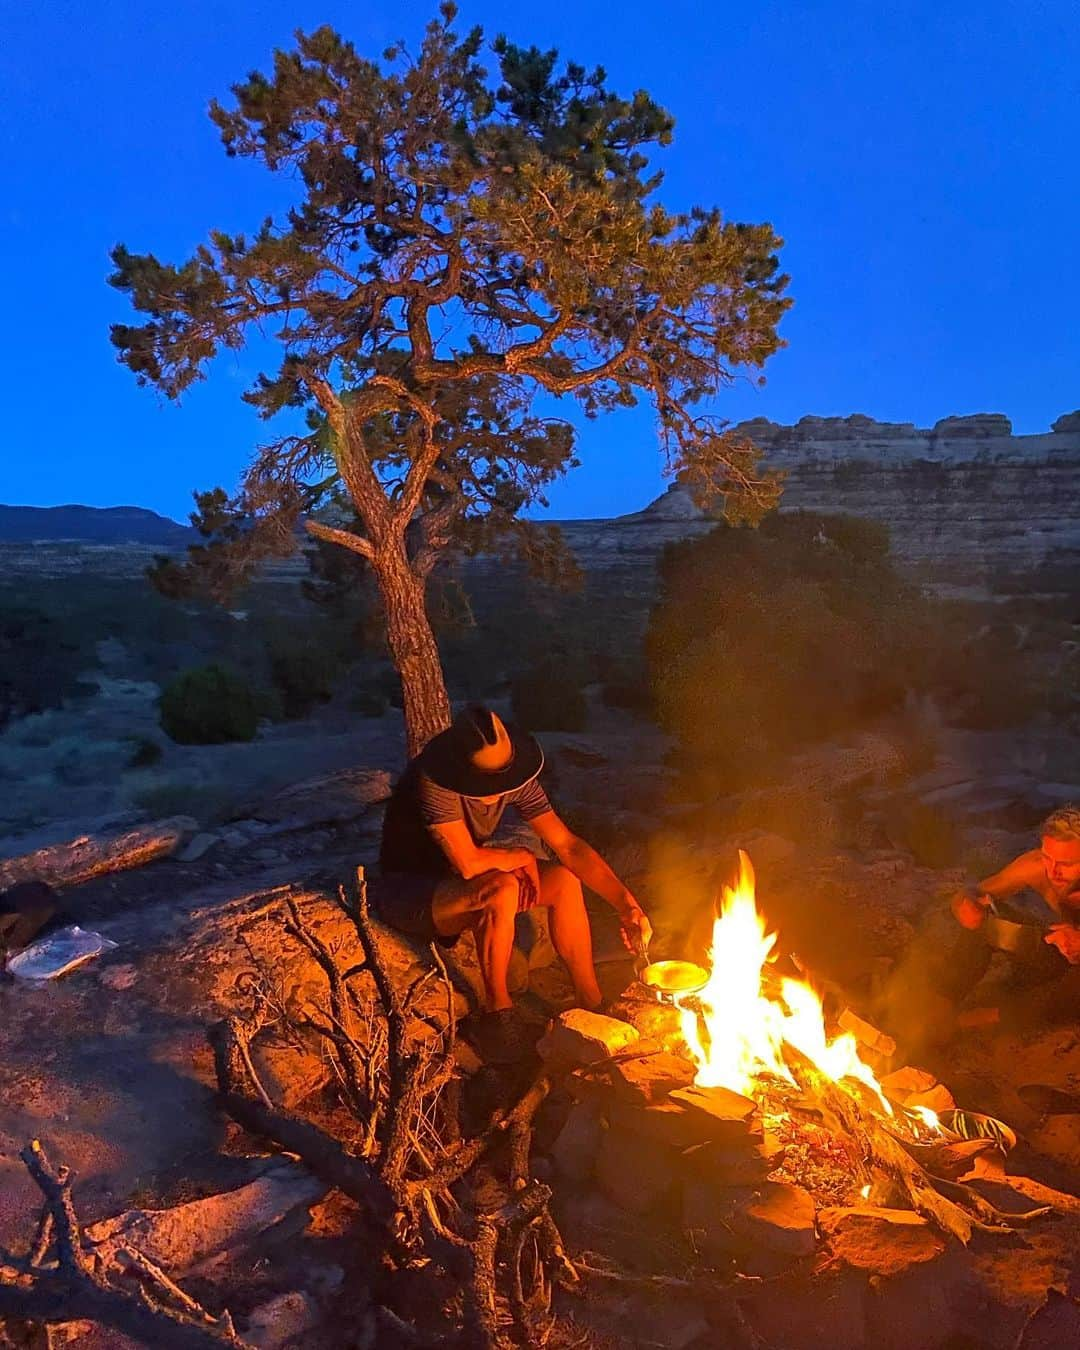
(953, 1208)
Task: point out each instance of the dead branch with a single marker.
(405, 1080)
(72, 1287)
(322, 1154)
(340, 1032)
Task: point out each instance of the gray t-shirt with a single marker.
(418, 803)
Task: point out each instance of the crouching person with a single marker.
(441, 877)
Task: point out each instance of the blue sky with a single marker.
(919, 159)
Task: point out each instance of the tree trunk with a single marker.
(413, 648)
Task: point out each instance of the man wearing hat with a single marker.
(440, 877)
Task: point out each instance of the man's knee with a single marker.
(498, 893)
(560, 887)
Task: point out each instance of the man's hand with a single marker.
(969, 912)
(1066, 939)
(528, 887)
(636, 928)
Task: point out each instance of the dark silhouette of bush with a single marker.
(144, 753)
(209, 705)
(39, 661)
(762, 640)
(304, 676)
(548, 697)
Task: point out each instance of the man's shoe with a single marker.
(497, 1037)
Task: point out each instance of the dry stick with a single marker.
(322, 1154)
(340, 1005)
(875, 1143)
(72, 1289)
(405, 1084)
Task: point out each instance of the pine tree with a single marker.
(461, 249)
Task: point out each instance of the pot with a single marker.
(669, 981)
(1015, 931)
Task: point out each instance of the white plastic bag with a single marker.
(54, 955)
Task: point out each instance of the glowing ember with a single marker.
(738, 1036)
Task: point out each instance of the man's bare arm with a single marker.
(1023, 872)
(469, 860)
(587, 865)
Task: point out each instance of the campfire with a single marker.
(742, 1083)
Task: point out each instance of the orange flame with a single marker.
(744, 1030)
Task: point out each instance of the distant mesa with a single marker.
(91, 524)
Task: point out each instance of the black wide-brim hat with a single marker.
(447, 759)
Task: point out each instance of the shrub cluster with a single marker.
(800, 630)
(209, 705)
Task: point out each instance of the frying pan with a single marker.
(668, 980)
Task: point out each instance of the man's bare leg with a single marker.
(487, 904)
(571, 935)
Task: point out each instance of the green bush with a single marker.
(547, 698)
(144, 753)
(303, 676)
(209, 705)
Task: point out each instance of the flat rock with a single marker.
(882, 1241)
(938, 1098)
(333, 799)
(867, 1034)
(197, 847)
(780, 1217)
(899, 1085)
(185, 1236)
(650, 1078)
(745, 1164)
(581, 1037)
(681, 1126)
(727, 1112)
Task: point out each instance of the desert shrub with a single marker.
(546, 697)
(763, 640)
(208, 803)
(40, 660)
(209, 705)
(144, 753)
(303, 677)
(368, 703)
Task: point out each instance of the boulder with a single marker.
(581, 1037)
(633, 1174)
(577, 1144)
(882, 1241)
